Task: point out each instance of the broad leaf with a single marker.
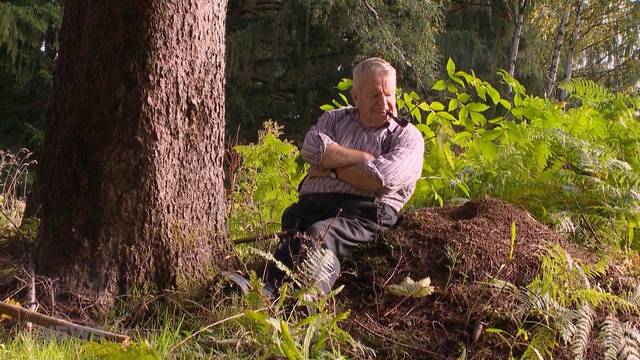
(410, 288)
(451, 67)
(439, 85)
(437, 106)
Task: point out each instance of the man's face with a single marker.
(374, 97)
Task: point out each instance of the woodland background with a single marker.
(534, 103)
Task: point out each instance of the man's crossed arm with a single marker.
(401, 165)
(349, 165)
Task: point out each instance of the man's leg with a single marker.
(340, 236)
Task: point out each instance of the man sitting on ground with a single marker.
(364, 167)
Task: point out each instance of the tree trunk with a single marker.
(517, 34)
(132, 188)
(573, 43)
(555, 55)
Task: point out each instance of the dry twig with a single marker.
(60, 325)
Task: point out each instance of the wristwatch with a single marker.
(333, 174)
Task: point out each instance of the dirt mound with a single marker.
(458, 248)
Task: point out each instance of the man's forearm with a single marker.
(359, 178)
(336, 156)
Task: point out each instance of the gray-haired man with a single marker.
(364, 167)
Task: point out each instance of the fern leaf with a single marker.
(321, 269)
(267, 256)
(565, 324)
(586, 90)
(542, 344)
(611, 337)
(584, 325)
(631, 345)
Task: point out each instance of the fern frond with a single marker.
(597, 297)
(584, 325)
(598, 269)
(586, 90)
(542, 344)
(565, 323)
(269, 257)
(631, 344)
(611, 337)
(321, 269)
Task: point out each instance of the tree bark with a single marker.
(517, 34)
(573, 43)
(555, 55)
(132, 179)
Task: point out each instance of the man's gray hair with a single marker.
(370, 66)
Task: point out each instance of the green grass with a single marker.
(168, 339)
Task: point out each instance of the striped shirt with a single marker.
(398, 152)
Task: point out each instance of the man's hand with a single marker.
(318, 171)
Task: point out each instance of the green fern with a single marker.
(586, 90)
(269, 257)
(542, 344)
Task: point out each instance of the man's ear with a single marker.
(354, 95)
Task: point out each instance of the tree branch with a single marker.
(80, 331)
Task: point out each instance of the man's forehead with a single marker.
(376, 77)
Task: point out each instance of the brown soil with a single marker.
(460, 249)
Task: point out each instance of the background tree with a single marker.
(607, 43)
(132, 188)
(571, 49)
(608, 49)
(477, 35)
(517, 34)
(555, 54)
(28, 32)
(285, 56)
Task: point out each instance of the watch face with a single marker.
(333, 174)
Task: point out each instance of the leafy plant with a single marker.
(266, 183)
(562, 304)
(307, 329)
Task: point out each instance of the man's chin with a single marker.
(376, 120)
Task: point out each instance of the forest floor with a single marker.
(475, 256)
(481, 258)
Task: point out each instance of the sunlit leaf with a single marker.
(453, 104)
(477, 107)
(451, 67)
(439, 85)
(410, 288)
(437, 106)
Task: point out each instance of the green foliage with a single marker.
(301, 323)
(23, 25)
(28, 31)
(14, 178)
(575, 168)
(561, 305)
(265, 183)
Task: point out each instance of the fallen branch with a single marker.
(252, 239)
(59, 325)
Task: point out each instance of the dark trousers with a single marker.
(338, 222)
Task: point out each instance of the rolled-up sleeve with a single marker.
(318, 138)
(402, 165)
